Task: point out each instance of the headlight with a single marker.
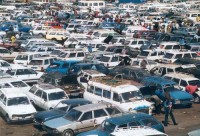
(177, 101)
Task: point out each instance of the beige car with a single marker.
(57, 35)
(80, 119)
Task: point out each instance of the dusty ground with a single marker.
(188, 119)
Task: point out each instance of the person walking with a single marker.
(168, 109)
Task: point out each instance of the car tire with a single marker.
(68, 132)
(196, 99)
(7, 119)
(41, 35)
(54, 39)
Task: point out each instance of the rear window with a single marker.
(22, 57)
(36, 62)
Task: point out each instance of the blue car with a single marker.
(179, 97)
(126, 120)
(5, 26)
(61, 66)
(60, 110)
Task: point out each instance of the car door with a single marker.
(114, 61)
(37, 98)
(86, 122)
(2, 103)
(99, 116)
(64, 67)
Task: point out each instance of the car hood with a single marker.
(96, 132)
(57, 122)
(24, 109)
(177, 94)
(44, 115)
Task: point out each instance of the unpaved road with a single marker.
(188, 119)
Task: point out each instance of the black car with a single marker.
(129, 72)
(64, 82)
(60, 109)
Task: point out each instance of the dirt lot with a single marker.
(188, 119)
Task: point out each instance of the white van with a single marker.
(118, 92)
(193, 15)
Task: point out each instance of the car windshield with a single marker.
(73, 115)
(96, 34)
(104, 59)
(194, 82)
(168, 55)
(22, 57)
(61, 106)
(18, 101)
(35, 62)
(63, 55)
(57, 96)
(4, 64)
(102, 48)
(4, 51)
(55, 52)
(19, 84)
(127, 42)
(144, 53)
(107, 126)
(131, 96)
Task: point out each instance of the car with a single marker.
(110, 61)
(130, 73)
(7, 55)
(10, 82)
(10, 46)
(15, 106)
(46, 96)
(41, 64)
(179, 97)
(61, 66)
(25, 74)
(64, 82)
(194, 132)
(125, 121)
(72, 55)
(184, 80)
(5, 26)
(185, 31)
(24, 58)
(40, 30)
(4, 65)
(120, 92)
(80, 119)
(57, 35)
(156, 55)
(59, 111)
(135, 43)
(134, 131)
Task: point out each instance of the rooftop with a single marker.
(90, 107)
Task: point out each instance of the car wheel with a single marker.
(68, 133)
(41, 35)
(196, 99)
(54, 39)
(7, 119)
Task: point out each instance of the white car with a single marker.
(40, 64)
(25, 57)
(4, 65)
(46, 96)
(40, 30)
(137, 131)
(15, 106)
(25, 74)
(110, 61)
(10, 83)
(72, 55)
(6, 54)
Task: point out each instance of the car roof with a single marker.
(8, 79)
(48, 88)
(15, 92)
(90, 107)
(67, 61)
(93, 73)
(158, 80)
(126, 118)
(76, 101)
(183, 76)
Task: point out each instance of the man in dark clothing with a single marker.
(168, 108)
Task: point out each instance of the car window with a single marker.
(106, 94)
(80, 54)
(113, 111)
(140, 42)
(149, 122)
(178, 56)
(176, 80)
(46, 62)
(99, 113)
(98, 91)
(116, 97)
(33, 89)
(86, 116)
(168, 47)
(122, 126)
(187, 56)
(132, 124)
(44, 96)
(71, 55)
(90, 89)
(38, 93)
(114, 59)
(183, 83)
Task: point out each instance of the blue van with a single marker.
(153, 83)
(61, 66)
(123, 121)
